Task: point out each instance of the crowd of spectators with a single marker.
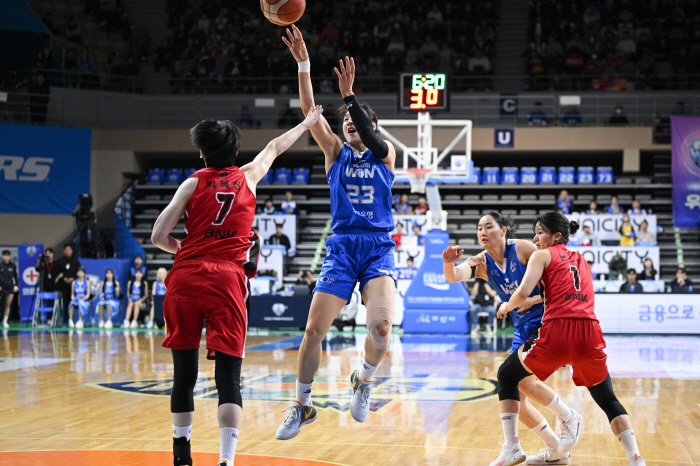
(220, 43)
(653, 43)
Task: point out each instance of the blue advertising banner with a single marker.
(685, 168)
(43, 169)
(27, 255)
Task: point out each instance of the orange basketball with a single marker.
(283, 12)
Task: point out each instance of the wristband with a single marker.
(304, 66)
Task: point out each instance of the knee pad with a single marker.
(186, 362)
(379, 309)
(227, 374)
(510, 374)
(604, 395)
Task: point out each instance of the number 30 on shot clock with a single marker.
(423, 92)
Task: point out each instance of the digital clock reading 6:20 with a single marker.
(426, 92)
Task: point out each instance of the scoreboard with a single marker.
(423, 92)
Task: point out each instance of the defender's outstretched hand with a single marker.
(296, 44)
(452, 254)
(346, 76)
(313, 116)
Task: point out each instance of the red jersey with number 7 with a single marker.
(567, 286)
(220, 217)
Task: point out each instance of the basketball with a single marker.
(283, 12)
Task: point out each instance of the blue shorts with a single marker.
(523, 331)
(353, 257)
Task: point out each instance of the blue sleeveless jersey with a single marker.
(80, 289)
(360, 193)
(136, 292)
(506, 282)
(160, 289)
(109, 291)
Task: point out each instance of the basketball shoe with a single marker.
(570, 431)
(637, 461)
(513, 454)
(108, 324)
(547, 456)
(359, 406)
(298, 416)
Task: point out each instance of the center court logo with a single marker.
(335, 389)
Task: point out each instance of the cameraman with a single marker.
(66, 271)
(46, 266)
(9, 283)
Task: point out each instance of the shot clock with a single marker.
(423, 92)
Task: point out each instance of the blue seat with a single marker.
(491, 175)
(189, 172)
(605, 175)
(528, 175)
(567, 175)
(585, 175)
(476, 175)
(283, 176)
(548, 175)
(173, 175)
(41, 306)
(267, 179)
(155, 176)
(300, 175)
(510, 175)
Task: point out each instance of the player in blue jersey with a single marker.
(502, 264)
(360, 173)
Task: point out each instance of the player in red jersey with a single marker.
(570, 334)
(208, 279)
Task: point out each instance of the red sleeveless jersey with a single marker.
(220, 217)
(567, 286)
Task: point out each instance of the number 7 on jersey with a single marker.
(226, 201)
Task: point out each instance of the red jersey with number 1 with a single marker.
(567, 286)
(220, 217)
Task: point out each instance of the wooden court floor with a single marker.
(96, 398)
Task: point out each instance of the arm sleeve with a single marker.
(364, 128)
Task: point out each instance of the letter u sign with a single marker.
(504, 138)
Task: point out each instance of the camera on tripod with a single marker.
(86, 237)
(84, 212)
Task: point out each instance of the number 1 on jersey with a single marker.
(226, 201)
(577, 278)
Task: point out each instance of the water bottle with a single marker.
(690, 289)
(669, 290)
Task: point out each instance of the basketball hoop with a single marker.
(418, 177)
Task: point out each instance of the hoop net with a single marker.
(418, 177)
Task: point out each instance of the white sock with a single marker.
(510, 428)
(546, 434)
(304, 393)
(182, 431)
(629, 443)
(229, 438)
(367, 370)
(558, 407)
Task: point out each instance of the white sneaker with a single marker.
(361, 390)
(637, 461)
(547, 456)
(101, 324)
(5, 325)
(134, 324)
(299, 416)
(71, 324)
(150, 324)
(570, 431)
(108, 324)
(79, 324)
(125, 324)
(510, 455)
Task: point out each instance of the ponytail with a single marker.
(555, 222)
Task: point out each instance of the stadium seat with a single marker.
(585, 175)
(282, 176)
(491, 175)
(267, 179)
(155, 176)
(567, 175)
(300, 175)
(189, 172)
(528, 175)
(173, 176)
(476, 175)
(605, 175)
(510, 175)
(548, 175)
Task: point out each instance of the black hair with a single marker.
(6, 252)
(219, 141)
(629, 271)
(139, 256)
(554, 222)
(114, 279)
(81, 268)
(368, 110)
(681, 269)
(506, 222)
(67, 245)
(48, 249)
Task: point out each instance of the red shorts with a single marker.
(578, 342)
(211, 290)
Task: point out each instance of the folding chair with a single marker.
(40, 306)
